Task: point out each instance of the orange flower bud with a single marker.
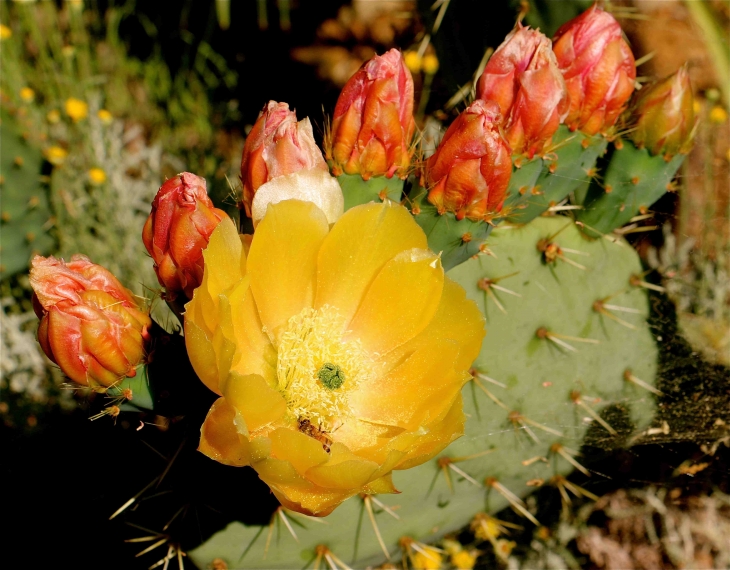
(598, 68)
(177, 231)
(523, 78)
(276, 146)
(91, 326)
(373, 122)
(470, 170)
(663, 115)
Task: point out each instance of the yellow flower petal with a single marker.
(420, 385)
(202, 355)
(297, 493)
(254, 352)
(302, 451)
(344, 470)
(445, 430)
(219, 439)
(363, 240)
(282, 261)
(391, 314)
(381, 486)
(258, 403)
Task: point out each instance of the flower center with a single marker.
(313, 364)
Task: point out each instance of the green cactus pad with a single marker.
(633, 179)
(26, 217)
(549, 388)
(565, 168)
(456, 240)
(358, 191)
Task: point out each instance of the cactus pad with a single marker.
(564, 371)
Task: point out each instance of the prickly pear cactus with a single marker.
(357, 191)
(26, 217)
(633, 181)
(567, 355)
(542, 183)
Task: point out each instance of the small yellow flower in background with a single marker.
(5, 32)
(426, 558)
(53, 116)
(464, 559)
(339, 354)
(27, 94)
(76, 4)
(76, 109)
(485, 527)
(718, 115)
(697, 106)
(97, 176)
(56, 155)
(68, 51)
(413, 61)
(503, 548)
(430, 64)
(105, 116)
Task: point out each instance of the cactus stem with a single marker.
(578, 401)
(609, 237)
(278, 514)
(528, 462)
(369, 507)
(112, 411)
(577, 490)
(634, 229)
(641, 217)
(568, 454)
(629, 377)
(151, 547)
(446, 463)
(636, 281)
(324, 553)
(488, 393)
(516, 416)
(474, 372)
(601, 308)
(513, 499)
(564, 208)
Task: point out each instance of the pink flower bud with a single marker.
(470, 170)
(91, 326)
(373, 122)
(276, 146)
(663, 115)
(177, 231)
(523, 78)
(598, 68)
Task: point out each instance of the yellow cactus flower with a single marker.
(76, 109)
(56, 155)
(339, 354)
(430, 64)
(464, 560)
(53, 116)
(426, 558)
(105, 116)
(97, 176)
(27, 94)
(413, 61)
(503, 548)
(718, 115)
(5, 32)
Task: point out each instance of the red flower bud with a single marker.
(177, 231)
(373, 122)
(470, 170)
(276, 146)
(91, 326)
(598, 68)
(523, 78)
(663, 115)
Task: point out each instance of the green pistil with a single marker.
(331, 376)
